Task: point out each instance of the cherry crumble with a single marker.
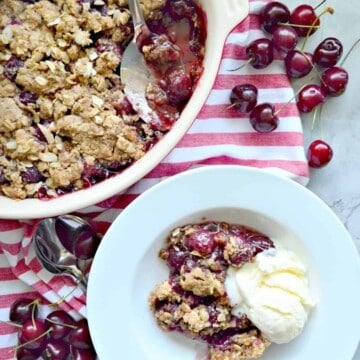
(65, 122)
(193, 301)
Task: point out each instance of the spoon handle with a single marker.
(137, 14)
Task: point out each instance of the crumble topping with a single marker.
(65, 123)
(193, 301)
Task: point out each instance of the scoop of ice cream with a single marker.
(273, 292)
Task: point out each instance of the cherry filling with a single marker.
(174, 52)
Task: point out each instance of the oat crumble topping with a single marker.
(65, 123)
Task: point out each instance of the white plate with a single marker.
(126, 267)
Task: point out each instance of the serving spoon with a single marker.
(52, 253)
(134, 73)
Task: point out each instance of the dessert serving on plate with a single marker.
(65, 122)
(232, 288)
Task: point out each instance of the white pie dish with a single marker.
(222, 17)
(126, 267)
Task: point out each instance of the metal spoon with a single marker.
(52, 253)
(134, 73)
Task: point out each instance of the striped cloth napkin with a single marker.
(218, 136)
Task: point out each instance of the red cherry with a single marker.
(260, 53)
(33, 333)
(57, 349)
(80, 337)
(285, 38)
(23, 309)
(319, 154)
(328, 52)
(309, 97)
(244, 97)
(298, 63)
(304, 16)
(263, 118)
(272, 14)
(61, 322)
(82, 354)
(334, 81)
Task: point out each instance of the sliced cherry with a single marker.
(319, 154)
(263, 118)
(285, 38)
(298, 63)
(260, 53)
(23, 309)
(61, 323)
(244, 97)
(328, 52)
(309, 97)
(334, 81)
(304, 19)
(272, 14)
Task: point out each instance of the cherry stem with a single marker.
(314, 119)
(329, 10)
(35, 304)
(11, 323)
(62, 324)
(299, 25)
(243, 65)
(32, 340)
(318, 5)
(350, 50)
(291, 99)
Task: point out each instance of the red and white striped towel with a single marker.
(218, 136)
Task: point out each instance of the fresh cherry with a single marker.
(304, 20)
(80, 336)
(328, 52)
(33, 334)
(260, 53)
(263, 118)
(272, 14)
(298, 63)
(309, 97)
(285, 38)
(56, 349)
(23, 353)
(82, 354)
(334, 81)
(319, 154)
(23, 309)
(244, 97)
(61, 323)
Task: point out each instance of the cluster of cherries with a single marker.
(284, 29)
(57, 337)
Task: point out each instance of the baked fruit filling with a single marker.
(194, 301)
(65, 123)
